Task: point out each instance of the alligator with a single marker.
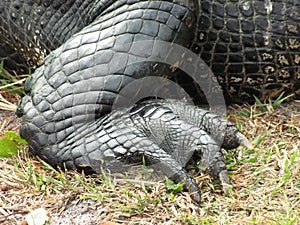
(84, 54)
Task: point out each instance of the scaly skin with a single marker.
(253, 47)
(67, 118)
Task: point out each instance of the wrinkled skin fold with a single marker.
(90, 58)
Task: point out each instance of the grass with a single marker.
(265, 182)
(11, 88)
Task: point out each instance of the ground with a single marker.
(265, 182)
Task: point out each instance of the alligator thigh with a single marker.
(80, 80)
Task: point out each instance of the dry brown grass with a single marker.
(266, 184)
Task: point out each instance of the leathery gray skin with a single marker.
(67, 118)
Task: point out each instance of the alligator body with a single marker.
(252, 47)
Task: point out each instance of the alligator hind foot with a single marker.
(165, 134)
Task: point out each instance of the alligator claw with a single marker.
(223, 177)
(242, 140)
